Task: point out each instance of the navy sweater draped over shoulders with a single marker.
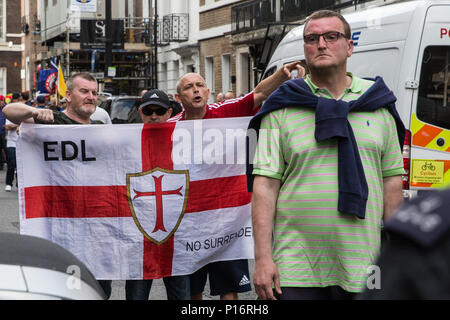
(331, 122)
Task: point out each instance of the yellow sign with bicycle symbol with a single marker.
(427, 171)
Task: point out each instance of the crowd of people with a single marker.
(320, 195)
(9, 131)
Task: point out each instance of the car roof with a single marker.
(125, 98)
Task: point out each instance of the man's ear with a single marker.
(177, 97)
(141, 114)
(170, 111)
(68, 96)
(351, 46)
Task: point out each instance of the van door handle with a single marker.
(412, 84)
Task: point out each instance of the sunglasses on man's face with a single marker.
(149, 111)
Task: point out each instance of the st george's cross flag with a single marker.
(138, 201)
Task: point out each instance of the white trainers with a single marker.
(8, 188)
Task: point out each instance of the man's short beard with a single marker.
(82, 111)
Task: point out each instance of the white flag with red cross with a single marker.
(138, 201)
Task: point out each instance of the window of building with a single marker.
(226, 73)
(27, 8)
(176, 70)
(190, 68)
(209, 74)
(162, 77)
(433, 105)
(2, 20)
(27, 74)
(175, 76)
(3, 88)
(269, 72)
(244, 73)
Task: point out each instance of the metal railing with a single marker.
(259, 13)
(176, 27)
(252, 15)
(171, 28)
(292, 10)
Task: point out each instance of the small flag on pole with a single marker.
(61, 84)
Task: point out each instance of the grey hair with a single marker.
(179, 80)
(85, 75)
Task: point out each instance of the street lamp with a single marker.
(108, 45)
(156, 45)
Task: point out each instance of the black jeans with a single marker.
(2, 150)
(11, 161)
(177, 288)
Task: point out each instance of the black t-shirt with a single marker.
(62, 118)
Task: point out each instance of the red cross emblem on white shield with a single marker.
(157, 200)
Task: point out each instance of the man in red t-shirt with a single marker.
(226, 278)
(193, 94)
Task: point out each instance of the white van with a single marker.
(408, 44)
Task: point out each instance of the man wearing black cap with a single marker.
(134, 116)
(157, 108)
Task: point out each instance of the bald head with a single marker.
(229, 95)
(192, 93)
(220, 97)
(189, 77)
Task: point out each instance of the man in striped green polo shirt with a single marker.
(318, 252)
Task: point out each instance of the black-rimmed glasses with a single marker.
(329, 37)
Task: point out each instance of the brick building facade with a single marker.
(217, 56)
(30, 40)
(10, 47)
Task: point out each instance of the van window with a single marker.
(376, 62)
(272, 70)
(269, 72)
(433, 105)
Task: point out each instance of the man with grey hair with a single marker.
(81, 96)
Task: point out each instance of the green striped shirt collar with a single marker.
(355, 87)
